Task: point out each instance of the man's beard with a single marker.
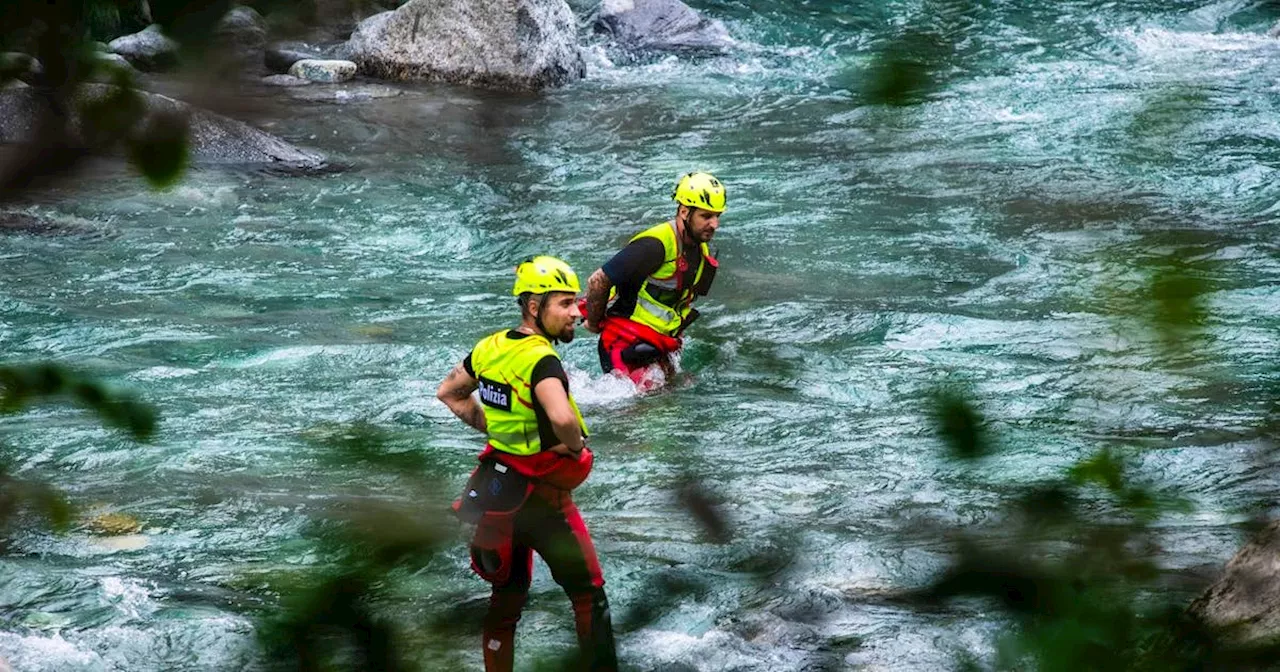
(566, 336)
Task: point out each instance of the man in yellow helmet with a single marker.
(519, 496)
(653, 282)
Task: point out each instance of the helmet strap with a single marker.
(537, 320)
(682, 225)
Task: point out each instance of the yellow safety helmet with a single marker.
(542, 274)
(700, 190)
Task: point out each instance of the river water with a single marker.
(998, 235)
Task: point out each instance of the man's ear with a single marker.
(682, 213)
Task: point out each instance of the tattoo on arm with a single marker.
(456, 391)
(474, 415)
(597, 296)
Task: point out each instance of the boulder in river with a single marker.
(1247, 597)
(241, 36)
(148, 49)
(238, 40)
(660, 25)
(108, 65)
(213, 138)
(24, 66)
(280, 56)
(503, 44)
(328, 72)
(284, 80)
(35, 223)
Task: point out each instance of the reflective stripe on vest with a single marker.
(662, 304)
(504, 366)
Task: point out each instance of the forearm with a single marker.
(598, 286)
(570, 434)
(469, 411)
(455, 392)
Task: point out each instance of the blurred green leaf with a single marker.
(21, 386)
(960, 425)
(364, 443)
(161, 150)
(1103, 469)
(1178, 294)
(702, 505)
(108, 118)
(907, 70)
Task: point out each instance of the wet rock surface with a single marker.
(1247, 596)
(660, 25)
(525, 45)
(214, 139)
(328, 72)
(149, 49)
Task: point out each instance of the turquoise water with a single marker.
(999, 234)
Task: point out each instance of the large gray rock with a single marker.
(14, 222)
(281, 56)
(660, 25)
(328, 72)
(241, 36)
(214, 139)
(24, 66)
(1247, 597)
(148, 49)
(237, 41)
(109, 66)
(346, 93)
(505, 44)
(284, 80)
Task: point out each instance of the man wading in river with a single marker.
(519, 495)
(653, 282)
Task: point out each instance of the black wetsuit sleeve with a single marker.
(466, 366)
(549, 367)
(635, 262)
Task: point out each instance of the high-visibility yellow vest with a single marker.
(663, 303)
(504, 367)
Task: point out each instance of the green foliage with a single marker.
(1156, 132)
(24, 385)
(21, 386)
(20, 498)
(960, 425)
(160, 151)
(1177, 293)
(921, 58)
(1082, 593)
(69, 127)
(112, 116)
(907, 70)
(336, 616)
(1102, 469)
(367, 445)
(696, 499)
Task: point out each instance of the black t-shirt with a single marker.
(547, 367)
(633, 264)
